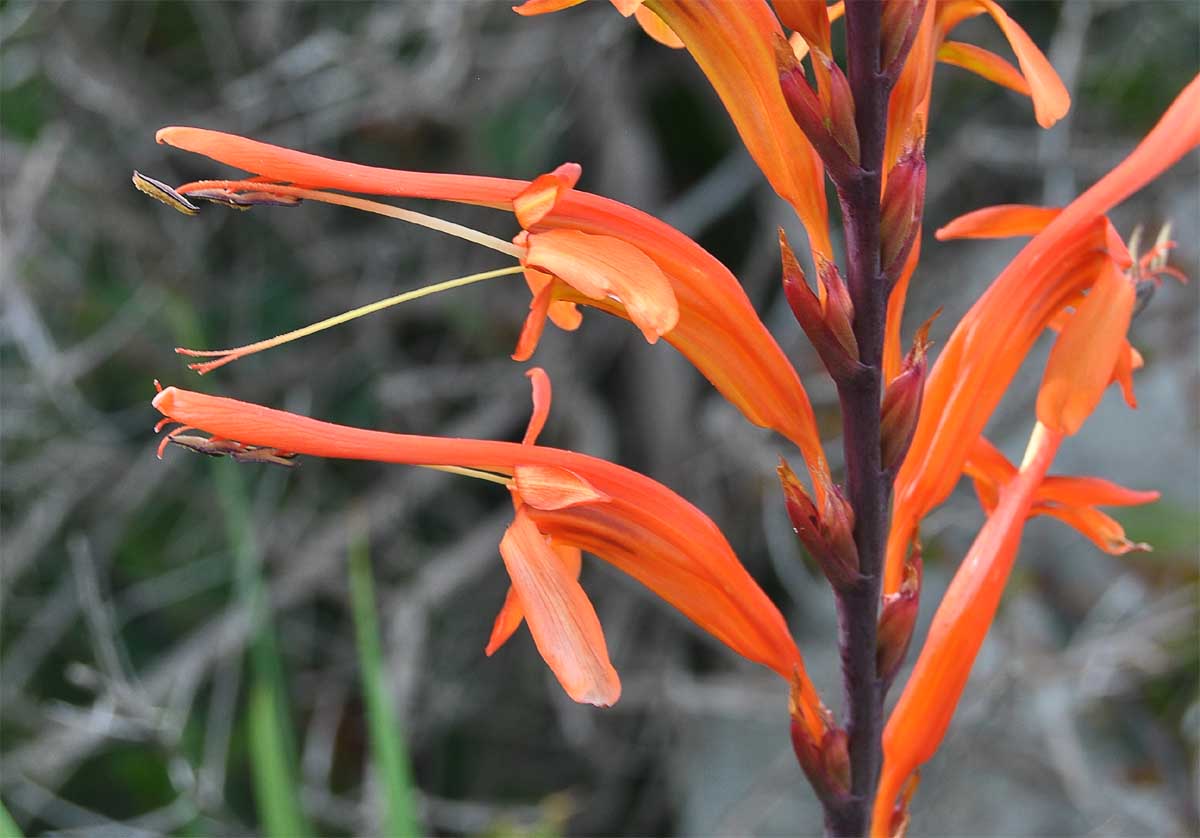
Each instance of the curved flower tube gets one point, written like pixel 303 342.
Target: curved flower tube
pixel 1074 250
pixel 908 108
pixel 576 501
pixel 717 328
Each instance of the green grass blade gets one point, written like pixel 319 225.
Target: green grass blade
pixel 8 827
pixel 387 741
pixel 272 749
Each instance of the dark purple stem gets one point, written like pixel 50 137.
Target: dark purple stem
pixel 867 487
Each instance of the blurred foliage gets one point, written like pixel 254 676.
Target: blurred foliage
pixel 135 698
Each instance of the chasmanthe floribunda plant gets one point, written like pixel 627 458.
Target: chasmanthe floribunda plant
pixel 913 423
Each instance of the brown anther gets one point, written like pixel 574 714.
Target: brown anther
pixel 244 200
pixel 159 191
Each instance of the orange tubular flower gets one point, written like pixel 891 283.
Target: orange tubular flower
pixel 717 328
pixel 921 716
pixel 733 44
pixel 1076 250
pixel 1082 363
pixel 573 501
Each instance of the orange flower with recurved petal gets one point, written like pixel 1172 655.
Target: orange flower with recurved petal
pixel 717 328
pixel 908 107
pixel 572 501
pixel 1091 351
pixel 1077 249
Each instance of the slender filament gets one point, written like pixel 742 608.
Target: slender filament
pixel 225 356
pixel 473 472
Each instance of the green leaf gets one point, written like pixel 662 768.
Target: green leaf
pixel 387 741
pixel 8 827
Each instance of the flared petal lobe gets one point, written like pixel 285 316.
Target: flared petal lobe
pixel 561 618
pixel 1050 98
pixel 1084 357
pixel 603 267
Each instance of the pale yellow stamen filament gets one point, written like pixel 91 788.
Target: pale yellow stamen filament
pixel 225 356
pixel 411 216
pixel 471 472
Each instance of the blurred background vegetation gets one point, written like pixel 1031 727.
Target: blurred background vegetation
pixel 199 648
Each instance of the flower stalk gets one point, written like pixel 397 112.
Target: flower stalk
pixel 867 484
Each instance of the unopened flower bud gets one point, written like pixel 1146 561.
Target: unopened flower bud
pixel 821 748
pixel 835 759
pixel 838 308
pixel 837 517
pixel 828 533
pixel 837 103
pixel 808 111
pixel 897 619
pixel 902 401
pixel 841 361
pixel 898 26
pixel 900 212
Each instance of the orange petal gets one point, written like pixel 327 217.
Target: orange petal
pixel 1083 359
pixel 563 313
pixel 511 616
pixel 656 28
pixel 542 393
pixel 1091 491
pixel 561 618
pixel 538 199
pixel 999 222
pixel 987 462
pixel 810 18
pixel 535 324
pixel 543 7
pixel 601 267
pixel 627 7
pixel 983 63
pixel 285 165
pixel 1102 530
pixel 507 622
pixel 553 487
pixel 1050 98
pixel 1127 361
